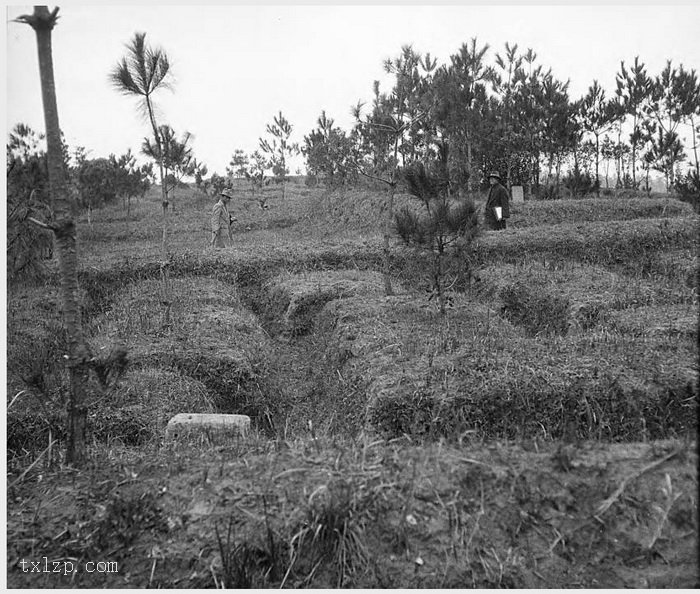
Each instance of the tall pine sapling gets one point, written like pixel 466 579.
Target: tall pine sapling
pixel 256 171
pixel 141 73
pixel 383 135
pixel 279 148
pixel 27 198
pixel 445 228
pixel 79 360
pixel 238 166
pixel 329 153
pixel 175 155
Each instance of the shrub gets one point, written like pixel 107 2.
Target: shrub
pixel 579 409
pixel 245 564
pixel 28 431
pixel 126 518
pixel 96 182
pixel 602 243
pixel 415 415
pixel 689 189
pixel 580 183
pixel 445 228
pixel 549 192
pixel 589 315
pixel 536 312
pixel 27 197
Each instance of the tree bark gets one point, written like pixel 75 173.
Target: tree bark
pixel 695 146
pixel 163 189
pixel 386 272
pixel 634 154
pixel 597 166
pixel 471 182
pixel 65 232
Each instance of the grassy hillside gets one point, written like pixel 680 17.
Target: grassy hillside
pixel 541 434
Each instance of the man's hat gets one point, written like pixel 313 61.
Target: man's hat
pixel 227 193
pixel 495 174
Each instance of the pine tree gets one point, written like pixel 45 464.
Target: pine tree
pixel 443 229
pixel 633 89
pixel 141 73
pixel 63 227
pixel 596 120
pixel 279 148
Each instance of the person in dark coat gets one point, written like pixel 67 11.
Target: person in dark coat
pixel 497 204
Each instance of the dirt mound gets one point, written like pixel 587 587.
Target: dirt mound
pixel 628 244
pixel 197 327
pixel 298 298
pixel 597 295
pixel 475 372
pixel 143 402
pixel 538 212
pixel 364 211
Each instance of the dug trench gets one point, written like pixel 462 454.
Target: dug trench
pixel 312 346
pixel 441 506
pixel 199 337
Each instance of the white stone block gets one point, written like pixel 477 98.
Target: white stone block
pixel 216 427
pixel 517 194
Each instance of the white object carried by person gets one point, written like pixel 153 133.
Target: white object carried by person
pixel 499 212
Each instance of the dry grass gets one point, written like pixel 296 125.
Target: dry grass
pixel 428 377
pixel 586 284
pixel 369 514
pixel 556 212
pixel 180 315
pixel 299 297
pixel 628 245
pixel 139 409
pixel 320 502
pixel 198 327
pixel 363 211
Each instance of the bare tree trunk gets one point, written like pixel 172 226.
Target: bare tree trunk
pixel 597 166
pixel 508 169
pixel 438 279
pixel 634 154
pixel 618 161
pixel 64 229
pixel 163 188
pixel 388 222
pixel 558 170
pixel 470 166
pixel 695 146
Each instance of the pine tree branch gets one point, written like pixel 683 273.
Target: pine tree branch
pixel 361 171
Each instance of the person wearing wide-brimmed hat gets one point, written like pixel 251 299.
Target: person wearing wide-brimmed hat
pixel 221 220
pixel 497 204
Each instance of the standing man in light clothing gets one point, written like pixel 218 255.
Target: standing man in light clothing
pixel 221 220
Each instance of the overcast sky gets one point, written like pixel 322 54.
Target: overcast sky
pixel 236 66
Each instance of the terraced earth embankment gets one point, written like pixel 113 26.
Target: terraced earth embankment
pixel 541 434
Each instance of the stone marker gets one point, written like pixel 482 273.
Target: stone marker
pixel 517 194
pixel 219 427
